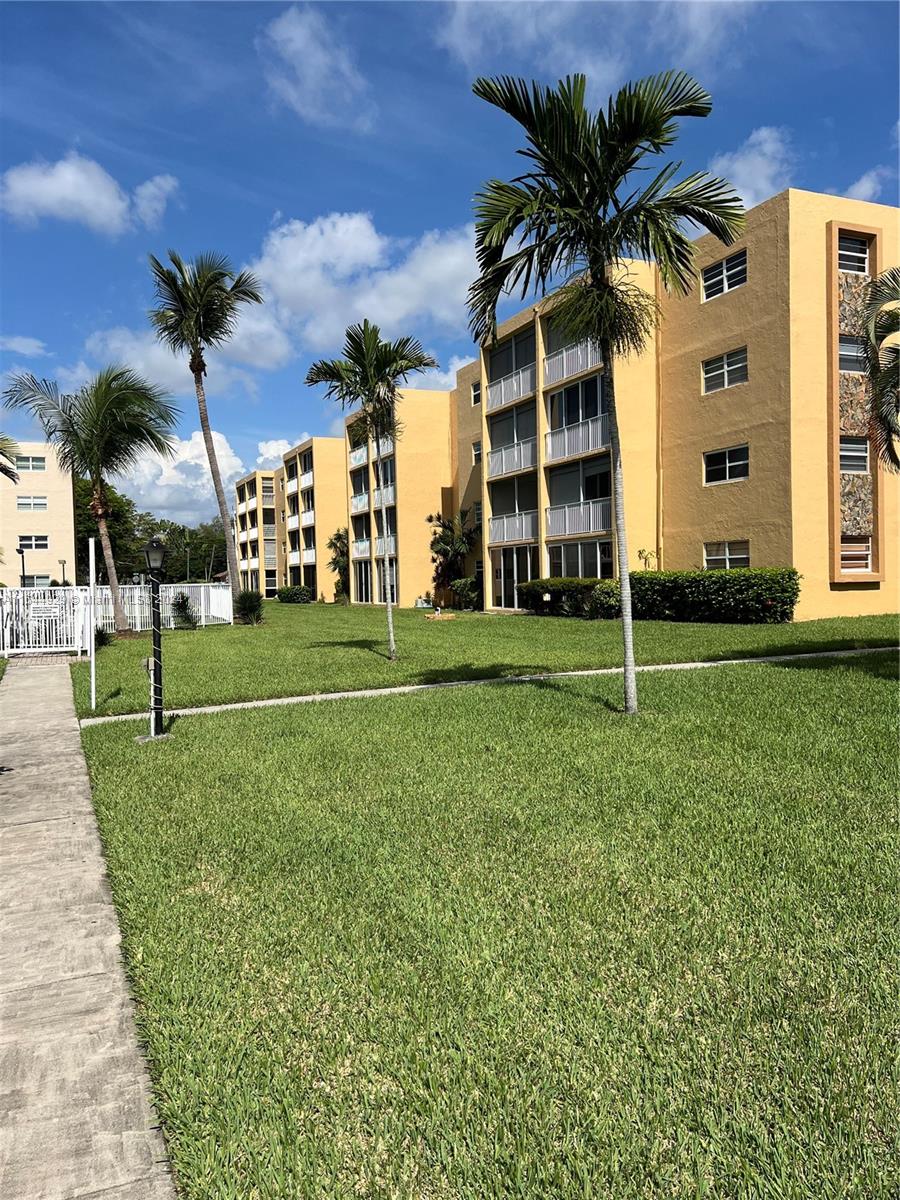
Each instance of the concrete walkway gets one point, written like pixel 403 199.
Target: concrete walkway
pixel 75 1114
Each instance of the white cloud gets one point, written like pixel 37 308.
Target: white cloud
pixel 74 377
pixel 441 379
pixel 28 347
pixel 180 488
pixel 272 451
pixel 761 167
pixel 78 189
pixel 141 351
pixel 308 68
pixel 869 186
pixel 259 340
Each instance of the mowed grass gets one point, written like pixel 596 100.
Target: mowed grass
pixel 322 648
pixel 509 943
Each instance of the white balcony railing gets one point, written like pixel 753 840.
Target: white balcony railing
pixel 308 517
pixel 253 563
pixel 511 388
pixel 387 447
pixel 293 558
pixel 384 495
pixel 361 548
pixel 306 480
pixel 290 487
pixel 385 545
pixel 588 516
pixel 253 532
pixel 309 557
pixel 242 535
pixel 514 527
pixel 359 456
pixel 517 457
pixel 242 507
pixel 571 360
pixel 293 521
pixel 251 504
pixel 359 502
pixel 582 438
pixel 244 564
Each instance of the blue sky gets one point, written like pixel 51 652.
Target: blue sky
pixel 335 149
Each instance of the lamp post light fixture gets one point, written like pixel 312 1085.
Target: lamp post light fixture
pixel 62 563
pixel 155 555
pixel 21 554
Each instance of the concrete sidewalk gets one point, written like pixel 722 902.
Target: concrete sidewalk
pixel 75 1114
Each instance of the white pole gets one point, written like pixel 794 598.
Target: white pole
pixel 92 576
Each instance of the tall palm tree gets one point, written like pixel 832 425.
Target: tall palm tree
pixel 577 215
pixel 9 448
pixel 198 305
pixel 100 431
pixel 881 315
pixel 369 377
pixel 452 540
pixel 339 545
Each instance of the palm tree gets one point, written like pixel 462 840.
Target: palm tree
pixel 453 540
pixel 9 448
pixel 100 431
pixel 579 213
pixel 198 307
pixel 881 315
pixel 370 376
pixel 339 545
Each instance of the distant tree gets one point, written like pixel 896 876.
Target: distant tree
pixel 881 315
pixel 121 527
pixel 9 448
pixel 452 540
pixel 339 545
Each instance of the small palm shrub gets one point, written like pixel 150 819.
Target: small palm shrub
pixel 297 593
pixel 102 637
pixel 248 608
pixel 183 612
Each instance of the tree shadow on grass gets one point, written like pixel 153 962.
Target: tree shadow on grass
pixel 460 672
pixel 879 664
pixel 372 645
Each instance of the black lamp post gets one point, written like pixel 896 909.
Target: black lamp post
pixel 155 554
pixel 21 554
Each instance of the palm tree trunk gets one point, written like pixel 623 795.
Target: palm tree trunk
pixel 224 513
pixel 121 620
pixel 385 570
pixel 630 677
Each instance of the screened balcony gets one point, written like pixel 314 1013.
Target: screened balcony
pixel 571 360
pixel 514 527
pixel 519 456
pixel 585 516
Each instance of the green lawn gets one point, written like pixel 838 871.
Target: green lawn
pixel 318 648
pixel 508 943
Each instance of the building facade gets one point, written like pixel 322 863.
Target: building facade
pixel 743 428
pixel 313 507
pixel 37 516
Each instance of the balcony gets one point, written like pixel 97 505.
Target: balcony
pixel 290 486
pixel 253 563
pixel 253 532
pixel 251 504
pixel 293 521
pixel 514 527
pixel 361 548
pixel 385 545
pixel 293 558
pixel 242 535
pixel 306 480
pixel 359 502
pixel 505 460
pixel 588 516
pixel 309 557
pixel 511 388
pixel 571 360
pixel 387 446
pixel 358 456
pixel 583 438
pixel 242 507
pixel 384 495
pixel 244 564
pixel 308 517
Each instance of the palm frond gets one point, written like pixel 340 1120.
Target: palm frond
pixel 881 329
pixel 198 303
pixel 9 448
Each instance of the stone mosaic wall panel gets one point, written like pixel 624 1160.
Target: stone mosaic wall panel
pixel 857 512
pixel 850 289
pixel 853 404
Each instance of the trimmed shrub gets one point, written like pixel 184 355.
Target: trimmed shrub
pixel 298 593
pixel 183 612
pixel 248 608
pixel 466 592
pixel 605 601
pixel 563 597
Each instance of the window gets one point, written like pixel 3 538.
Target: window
pixel 476 452
pixel 30 462
pixel 581 560
pixel 852 353
pixel 855 455
pixel 725 371
pixel 856 554
pixel 725 556
pixel 725 275
pixel 33 541
pixel 35 581
pixel 853 254
pixel 579 402
pixel 476 392
pixel 477 512
pixel 722 466
pixel 512 355
pixel 31 503
pixel 306 461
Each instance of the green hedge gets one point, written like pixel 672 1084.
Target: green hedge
pixel 297 593
pixel 747 596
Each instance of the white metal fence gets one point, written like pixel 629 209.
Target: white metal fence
pixel 41 620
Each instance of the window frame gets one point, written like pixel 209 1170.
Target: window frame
pixel 476 392
pixel 858 357
pixel 846 555
pixel 729 552
pixel 21 506
pixel 851 255
pixel 728 368
pixel 729 478
pixel 477 452
pixel 854 448
pixel 732 264
pixel 31 538
pixel 31 459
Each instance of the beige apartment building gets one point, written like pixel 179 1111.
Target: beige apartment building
pixel 743 428
pixel 37 517
pixel 313 506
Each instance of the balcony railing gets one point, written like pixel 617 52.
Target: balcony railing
pixel 293 521
pixel 359 502
pixel 517 457
pixel 361 548
pixel 588 516
pixel 510 388
pixel 254 564
pixel 582 438
pixel 308 517
pixel 571 360
pixel 385 545
pixel 251 504
pixel 242 507
pixel 309 557
pixel 290 487
pixel 293 558
pixel 384 495
pixel 359 456
pixel 244 564
pixel 306 480
pixel 514 527
pixel 387 447
pixel 242 535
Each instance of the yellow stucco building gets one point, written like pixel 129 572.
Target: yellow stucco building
pixel 37 516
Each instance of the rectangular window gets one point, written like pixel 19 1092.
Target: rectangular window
pixel 581 560
pixel 725 371
pixel 722 466
pixel 31 462
pixel 853 254
pixel 725 556
pixel 852 353
pixel 31 503
pixel 477 512
pixel 476 392
pixel 36 581
pixel 725 275
pixel 33 541
pixel 856 554
pixel 855 455
pixel 476 452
